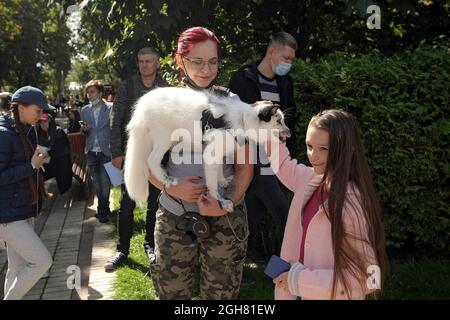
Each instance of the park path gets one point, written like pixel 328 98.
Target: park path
pixel 78 243
pixel 75 239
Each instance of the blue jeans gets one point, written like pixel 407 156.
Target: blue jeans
pixel 100 179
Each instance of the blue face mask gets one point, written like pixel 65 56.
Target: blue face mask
pixel 282 69
pixel 94 102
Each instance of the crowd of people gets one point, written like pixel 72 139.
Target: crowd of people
pixel 330 233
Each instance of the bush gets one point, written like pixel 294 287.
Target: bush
pixel 402 103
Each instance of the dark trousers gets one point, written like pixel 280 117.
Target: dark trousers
pixel 100 180
pixel 265 196
pixel 126 219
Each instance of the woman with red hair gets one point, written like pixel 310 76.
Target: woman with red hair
pixel 191 227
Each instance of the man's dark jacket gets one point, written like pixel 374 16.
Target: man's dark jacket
pixel 60 166
pixel 129 91
pixel 245 84
pixel 15 170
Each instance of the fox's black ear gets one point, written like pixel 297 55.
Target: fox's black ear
pixel 274 108
pixel 267 112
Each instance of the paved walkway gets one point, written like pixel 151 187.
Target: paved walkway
pixel 80 246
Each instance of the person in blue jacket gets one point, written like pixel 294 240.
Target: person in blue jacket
pixel 21 191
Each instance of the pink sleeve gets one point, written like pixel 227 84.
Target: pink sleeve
pixel 288 171
pixel 317 284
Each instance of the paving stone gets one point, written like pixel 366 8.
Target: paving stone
pixel 62 232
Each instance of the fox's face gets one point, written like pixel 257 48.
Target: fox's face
pixel 271 118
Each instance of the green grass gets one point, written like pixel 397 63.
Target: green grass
pixel 132 280
pixel 427 278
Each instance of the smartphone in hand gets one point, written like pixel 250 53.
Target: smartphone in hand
pixel 84 126
pixel 276 266
pixel 43 148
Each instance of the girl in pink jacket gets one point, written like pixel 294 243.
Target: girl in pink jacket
pixel 334 236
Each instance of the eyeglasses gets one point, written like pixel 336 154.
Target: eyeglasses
pixel 198 64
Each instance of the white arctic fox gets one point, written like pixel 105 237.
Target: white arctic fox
pixel 162 111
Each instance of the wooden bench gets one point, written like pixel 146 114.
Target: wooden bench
pixel 80 168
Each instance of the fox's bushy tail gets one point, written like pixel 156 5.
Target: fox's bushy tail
pixel 139 147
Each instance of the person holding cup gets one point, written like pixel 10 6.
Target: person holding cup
pixel 21 192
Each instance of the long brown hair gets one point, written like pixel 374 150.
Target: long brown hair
pixel 28 151
pixel 347 166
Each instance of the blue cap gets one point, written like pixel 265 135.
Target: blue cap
pixel 31 95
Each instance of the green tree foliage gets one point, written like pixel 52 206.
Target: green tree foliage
pixel 57 51
pixel 83 71
pixel 394 79
pixel 23 52
pixel 8 29
pixel 403 107
pixel 115 30
pixel 34 47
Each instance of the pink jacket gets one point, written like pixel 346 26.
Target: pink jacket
pixel 314 279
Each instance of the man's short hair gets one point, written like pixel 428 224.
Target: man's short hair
pixel 284 39
pixel 95 83
pixel 148 50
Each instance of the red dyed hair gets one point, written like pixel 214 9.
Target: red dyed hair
pixel 190 37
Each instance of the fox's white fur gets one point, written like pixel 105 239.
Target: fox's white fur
pixel 160 112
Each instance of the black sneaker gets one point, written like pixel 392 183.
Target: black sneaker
pixel 102 218
pixel 112 264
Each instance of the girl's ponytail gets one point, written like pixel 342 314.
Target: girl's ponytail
pixel 28 155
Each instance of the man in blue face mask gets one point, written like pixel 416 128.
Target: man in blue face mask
pixel 268 79
pixel 95 117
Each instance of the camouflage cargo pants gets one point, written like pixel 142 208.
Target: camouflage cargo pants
pixel 220 256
